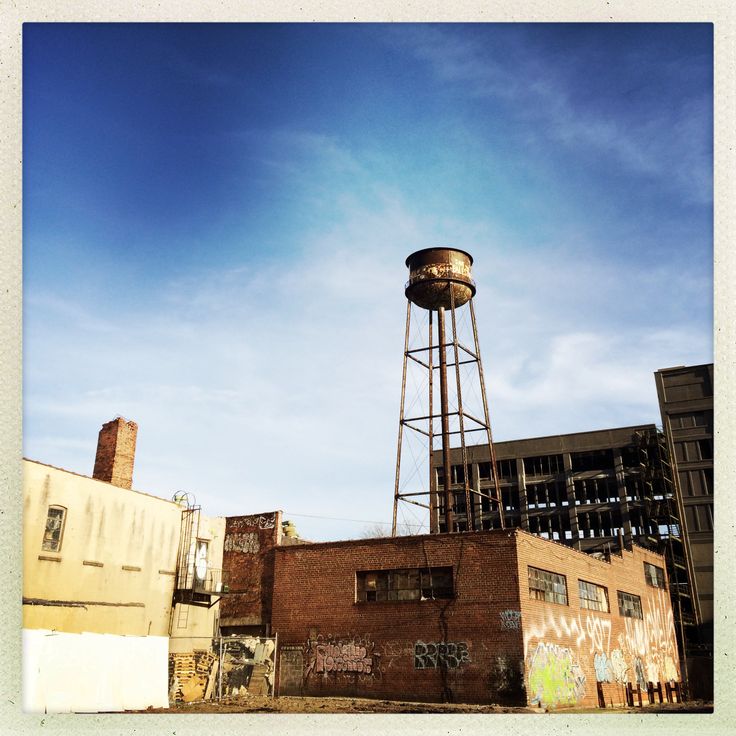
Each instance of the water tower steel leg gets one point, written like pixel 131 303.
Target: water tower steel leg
pixel 444 411
pixel 486 415
pixel 401 416
pixel 433 505
pixel 469 525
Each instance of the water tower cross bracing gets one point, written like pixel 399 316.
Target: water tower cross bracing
pixel 440 282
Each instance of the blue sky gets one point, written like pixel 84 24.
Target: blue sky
pixel 216 219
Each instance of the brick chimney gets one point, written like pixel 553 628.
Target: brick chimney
pixel 116 452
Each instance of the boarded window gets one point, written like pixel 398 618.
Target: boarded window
pixel 547 586
pixel 409 584
pixel 654 575
pixel 629 605
pixel 54 531
pixel 592 596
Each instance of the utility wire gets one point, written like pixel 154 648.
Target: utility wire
pixel 337 518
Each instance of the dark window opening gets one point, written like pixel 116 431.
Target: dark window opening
pixel 409 584
pixel 592 460
pixel 54 530
pixel 543 465
pixel 654 575
pixel 629 605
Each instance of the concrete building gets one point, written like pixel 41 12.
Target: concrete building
pixel 118 585
pixel 486 616
pixel 686 403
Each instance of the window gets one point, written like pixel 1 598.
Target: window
pixel 654 575
pixel 54 529
pixel 410 584
pixel 629 605
pixel 547 586
pixel 543 465
pixel 593 460
pixel 506 468
pixel 592 596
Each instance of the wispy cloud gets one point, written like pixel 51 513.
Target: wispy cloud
pixel 279 386
pixel 672 144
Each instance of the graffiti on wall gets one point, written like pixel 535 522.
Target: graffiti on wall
pixel 644 652
pixel 260 521
pixel 555 677
pixel 336 656
pixel 449 654
pixel 242 542
pixel 510 619
pixel 619 668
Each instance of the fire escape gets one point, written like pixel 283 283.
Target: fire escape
pixel 666 536
pixel 197 584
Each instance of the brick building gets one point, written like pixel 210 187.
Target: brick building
pixel 485 616
pixel 247 564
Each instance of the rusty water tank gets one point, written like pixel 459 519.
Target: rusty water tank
pixel 433 272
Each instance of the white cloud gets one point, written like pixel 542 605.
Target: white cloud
pixel 279 386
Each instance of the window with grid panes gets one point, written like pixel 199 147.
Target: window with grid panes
pixel 654 575
pixel 592 596
pixel 54 529
pixel 547 586
pixel 408 584
pixel 629 605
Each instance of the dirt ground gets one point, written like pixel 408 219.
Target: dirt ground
pixel 292 704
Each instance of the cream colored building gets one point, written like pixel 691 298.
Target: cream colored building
pixel 114 580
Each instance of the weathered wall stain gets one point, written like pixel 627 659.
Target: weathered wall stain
pixel 450 654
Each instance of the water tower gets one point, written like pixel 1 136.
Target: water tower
pixel 440 482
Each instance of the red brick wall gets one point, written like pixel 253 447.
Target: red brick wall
pixel 116 453
pixel 247 563
pixel 394 643
pixel 568 649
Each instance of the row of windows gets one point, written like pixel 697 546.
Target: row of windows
pixel 552 587
pixel 539 465
pixel 408 584
pixel 431 583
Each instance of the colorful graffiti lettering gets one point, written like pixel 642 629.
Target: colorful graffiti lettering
pixel 326 657
pixel 450 654
pixel 555 677
pixel 510 619
pixel 603 669
pixel 342 658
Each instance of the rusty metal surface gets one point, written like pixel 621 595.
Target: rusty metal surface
pixel 438 277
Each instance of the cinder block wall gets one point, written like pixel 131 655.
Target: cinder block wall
pixel 397 643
